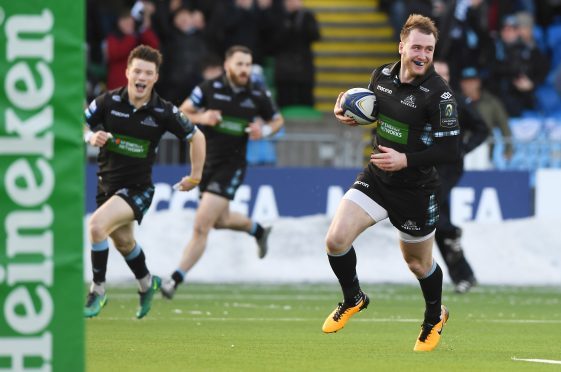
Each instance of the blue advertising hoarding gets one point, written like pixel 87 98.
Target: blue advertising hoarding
pixel 294 192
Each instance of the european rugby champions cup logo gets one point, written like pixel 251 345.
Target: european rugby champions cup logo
pixel 448 114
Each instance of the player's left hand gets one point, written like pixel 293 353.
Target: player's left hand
pixel 388 159
pixel 258 130
pixel 186 184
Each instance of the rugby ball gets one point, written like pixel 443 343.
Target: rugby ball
pixel 361 105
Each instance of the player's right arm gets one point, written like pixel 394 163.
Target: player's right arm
pixel 194 108
pixel 94 131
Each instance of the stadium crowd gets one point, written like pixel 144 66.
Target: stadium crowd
pixel 505 56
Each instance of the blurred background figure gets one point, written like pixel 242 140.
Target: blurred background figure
pixel 296 30
pixel 132 28
pixel 518 65
pixel 212 67
pixel 474 131
pixel 464 35
pixel 183 50
pixel 489 107
pixel 242 22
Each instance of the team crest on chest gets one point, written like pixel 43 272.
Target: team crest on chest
pixel 409 101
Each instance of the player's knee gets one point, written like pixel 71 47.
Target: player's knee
pixel 221 223
pixel 336 243
pixel 201 229
pixel 123 244
pixel 97 231
pixel 417 267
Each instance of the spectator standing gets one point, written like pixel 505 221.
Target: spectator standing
pixel 464 36
pixel 489 107
pixel 132 29
pixel 183 52
pixel 294 61
pixel 242 22
pixel 518 68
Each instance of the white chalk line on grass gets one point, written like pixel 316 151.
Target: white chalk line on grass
pixel 546 361
pixel 185 316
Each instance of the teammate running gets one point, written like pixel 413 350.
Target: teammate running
pixel 228 109
pixel 417 128
pixel 127 125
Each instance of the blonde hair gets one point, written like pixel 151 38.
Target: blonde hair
pixel 418 22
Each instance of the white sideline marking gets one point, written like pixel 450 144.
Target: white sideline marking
pixel 546 361
pixel 289 319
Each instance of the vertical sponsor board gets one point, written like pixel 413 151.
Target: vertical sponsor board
pixel 41 185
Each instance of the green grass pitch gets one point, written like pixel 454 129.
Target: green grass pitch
pixel 245 327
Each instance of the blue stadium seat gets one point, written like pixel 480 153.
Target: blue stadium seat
pixel 553 130
pixel 554 43
pixel 527 137
pixel 548 99
pixel 539 37
pixel 499 162
pixel 263 152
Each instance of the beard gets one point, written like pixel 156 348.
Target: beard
pixel 410 66
pixel 239 80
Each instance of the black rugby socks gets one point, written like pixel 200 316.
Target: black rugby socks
pixel 431 285
pixel 344 267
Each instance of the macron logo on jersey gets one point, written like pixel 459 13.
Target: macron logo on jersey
pixel 222 97
pixel 119 114
pixel 385 90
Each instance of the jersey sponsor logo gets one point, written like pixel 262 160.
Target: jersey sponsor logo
pixel 410 226
pixel 149 121
pixel 232 126
pixel 116 98
pixel 222 97
pixel 247 103
pixel 446 95
pixel 129 146
pixel 385 90
pixel 392 130
pixel 256 93
pixel 361 183
pixel 161 109
pixel 217 85
pixel 119 114
pixel 409 101
pixel 448 115
pixel 426 90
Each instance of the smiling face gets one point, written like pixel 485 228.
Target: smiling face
pixel 238 68
pixel 141 76
pixel 417 51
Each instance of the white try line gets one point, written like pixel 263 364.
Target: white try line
pixel 546 361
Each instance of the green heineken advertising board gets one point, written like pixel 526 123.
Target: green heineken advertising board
pixel 41 185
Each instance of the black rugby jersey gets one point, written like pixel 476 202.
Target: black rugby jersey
pixel 228 139
pixel 419 119
pixel 127 158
